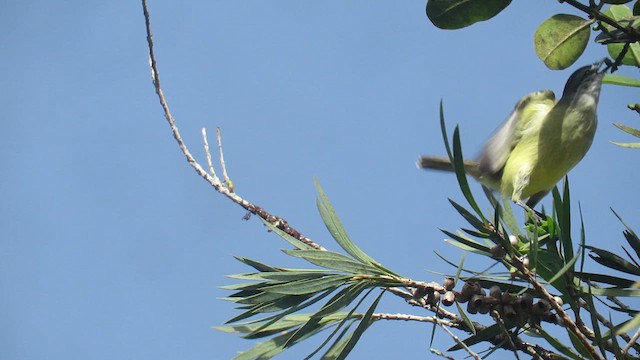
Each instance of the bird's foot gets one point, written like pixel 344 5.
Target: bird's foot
pixel 536 215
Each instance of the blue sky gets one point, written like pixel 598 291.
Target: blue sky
pixel 113 248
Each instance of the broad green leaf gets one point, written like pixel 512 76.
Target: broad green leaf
pixel 560 40
pixel 622 14
pixel 620 80
pixel 333 260
pixel 456 14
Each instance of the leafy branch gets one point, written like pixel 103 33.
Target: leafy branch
pixel 339 296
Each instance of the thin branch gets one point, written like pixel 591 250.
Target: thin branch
pixel 222 164
pixel 278 222
pixel 631 342
pixel 567 321
pixel 461 343
pixel 595 13
pixel 212 171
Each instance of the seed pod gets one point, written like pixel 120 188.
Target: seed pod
pixel 448 298
pixel 498 252
pixel 541 307
pixel 433 298
pixel 449 283
pixel 495 292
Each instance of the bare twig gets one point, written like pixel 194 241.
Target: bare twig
pixel 225 176
pixel 460 342
pixel 631 342
pixel 212 171
pixel 278 222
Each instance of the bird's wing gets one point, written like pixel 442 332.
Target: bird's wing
pixel 528 112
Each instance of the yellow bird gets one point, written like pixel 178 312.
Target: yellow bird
pixel 539 143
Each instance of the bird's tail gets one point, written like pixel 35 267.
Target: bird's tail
pixel 444 164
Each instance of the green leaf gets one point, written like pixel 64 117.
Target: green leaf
pixel 458 164
pixel 456 14
pixel 341 341
pixel 443 130
pixel 616 292
pixel 595 325
pixel 307 286
pixel 628 129
pixel 560 40
pixel 617 1
pixel 290 239
pixel 565 221
pixel 471 219
pixel 627 145
pixel 620 80
pixel 256 265
pixel 484 335
pixel 566 268
pixel 364 324
pixel 631 325
pixel 613 261
pixel 333 260
pixel 338 232
pixel 566 351
pixel 630 235
pixel 466 241
pixel 623 15
pixel 606 279
pixel 465 319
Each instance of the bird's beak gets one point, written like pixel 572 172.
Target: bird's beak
pixel 596 66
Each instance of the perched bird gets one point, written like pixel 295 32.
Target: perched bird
pixel 539 142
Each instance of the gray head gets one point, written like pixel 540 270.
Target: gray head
pixel 587 79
